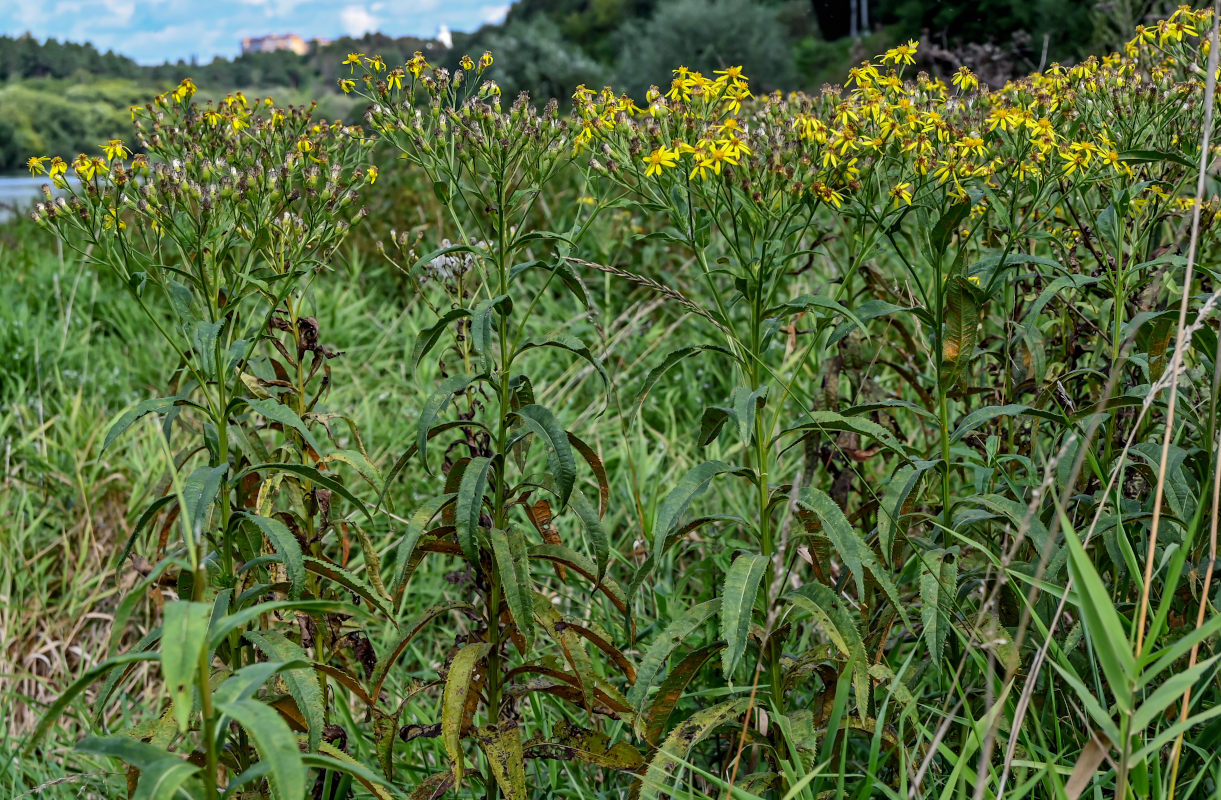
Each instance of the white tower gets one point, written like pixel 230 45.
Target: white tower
pixel 444 37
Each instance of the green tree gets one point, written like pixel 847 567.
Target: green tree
pixel 705 35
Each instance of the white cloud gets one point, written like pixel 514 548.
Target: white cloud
pixel 493 15
pixel 357 20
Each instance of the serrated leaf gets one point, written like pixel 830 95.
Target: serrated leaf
pixel 674 634
pixel 738 606
pixel 434 406
pixel 302 683
pixel 453 702
pixel 598 540
pixel 503 747
pixel 961 330
pixel 417 524
pixel 560 460
pixel 155 405
pixel 162 774
pixel 470 505
pixel 672 358
pixel 678 745
pixel 183 639
pixel 428 337
pixel 276 411
pixel 514 569
pixel 857 556
pixel 287 548
pixel 276 745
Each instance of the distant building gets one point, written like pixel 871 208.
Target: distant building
pixel 274 42
pixel 444 38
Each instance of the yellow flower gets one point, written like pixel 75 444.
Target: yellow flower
pixel 659 159
pixel 1074 160
pixel 971 145
pixel 902 54
pixel 35 164
pixel 485 60
pixel 372 174
pixel 184 91
pixel 902 193
pixel 417 64
pixel 57 171
pixel 114 149
pixel 965 79
pixel 347 85
pixel 304 145
pixel 354 60
pixel 395 79
pixel 376 63
pixel 974 279
pixel 467 63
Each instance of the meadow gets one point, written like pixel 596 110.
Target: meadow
pixel 697 445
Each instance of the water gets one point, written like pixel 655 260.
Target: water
pixel 19 193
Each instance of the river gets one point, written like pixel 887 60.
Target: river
pixel 19 193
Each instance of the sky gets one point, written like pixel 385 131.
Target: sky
pixel 153 31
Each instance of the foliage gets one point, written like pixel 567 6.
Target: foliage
pixel 782 446
pixel 704 35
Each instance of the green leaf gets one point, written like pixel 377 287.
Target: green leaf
pixel 982 415
pixel 276 411
pixel 87 679
pixel 849 545
pixel 961 330
pixel 574 346
pixel 310 474
pixel 183 639
pixel 276 745
pixel 427 338
pixel 470 505
pixel 672 358
pixel 746 405
pixel 453 702
pixel 199 492
pixel 1103 623
pixel 560 459
pixel 938 585
pixel 332 758
pixel 433 408
pixel 302 683
pixel 678 745
pixel 675 504
pixel 598 540
pixel 1153 156
pixel 941 234
pixel 162 774
pixel 823 421
pixel 674 634
pixel 287 548
pixel 348 580
pixel 221 628
pixel 417 524
pixel 514 569
pixel 738 606
pixel 894 498
pixel 827 608
pixel 155 405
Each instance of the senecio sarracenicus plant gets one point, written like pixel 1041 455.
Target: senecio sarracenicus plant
pixel 218 226
pixel 503 506
pixel 928 320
